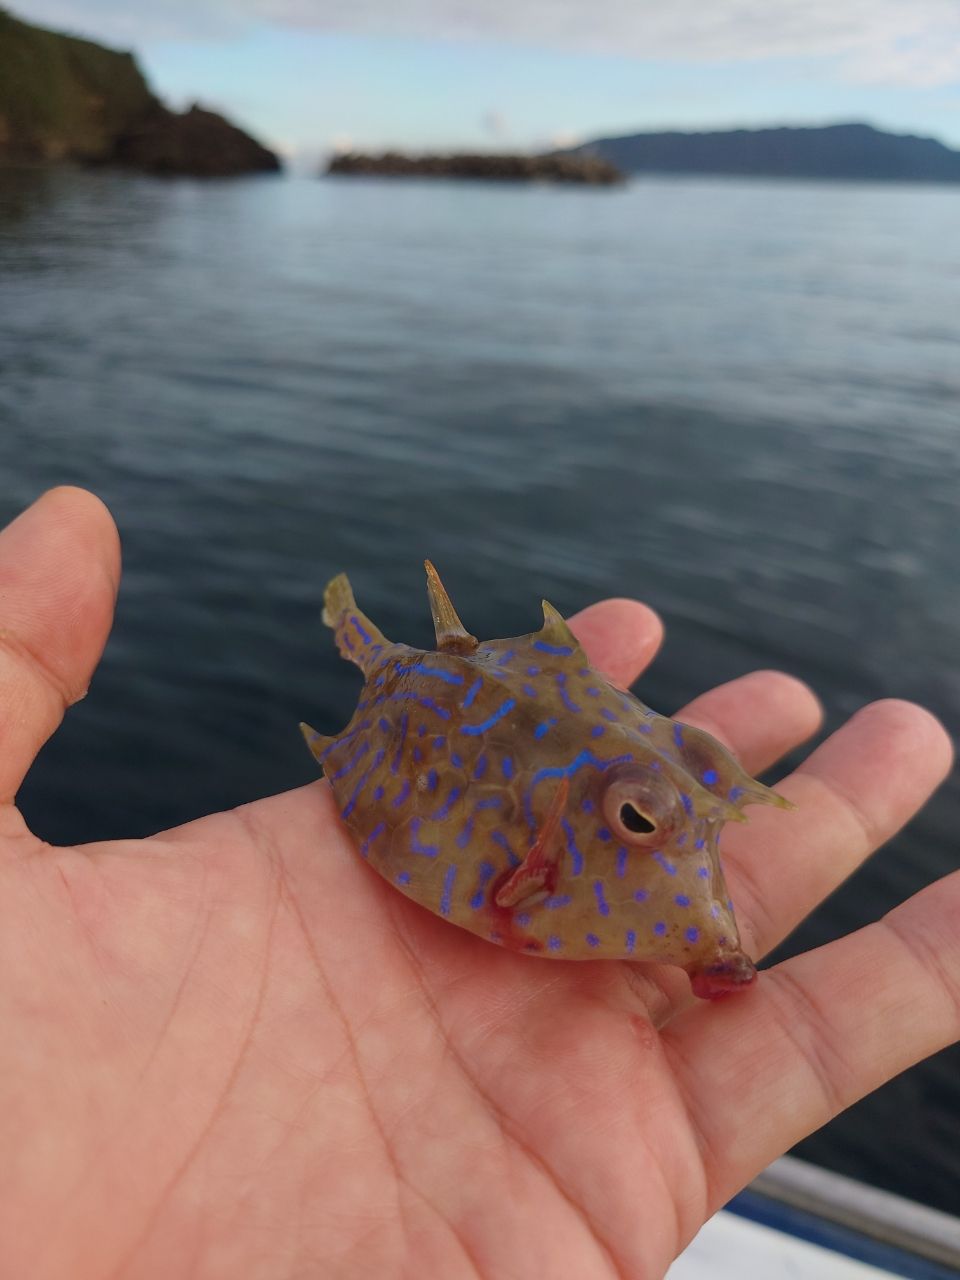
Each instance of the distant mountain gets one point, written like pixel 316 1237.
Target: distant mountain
pixel 62 98
pixel 856 151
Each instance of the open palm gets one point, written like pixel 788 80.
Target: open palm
pixel 232 1050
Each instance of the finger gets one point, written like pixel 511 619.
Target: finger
pixel 759 717
pixel 620 638
pixel 818 1032
pixel 852 794
pixel 59 570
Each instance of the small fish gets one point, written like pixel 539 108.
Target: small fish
pixel 509 788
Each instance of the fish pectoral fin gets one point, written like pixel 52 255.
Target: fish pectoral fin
pixel 452 635
pixel 315 741
pixel 537 873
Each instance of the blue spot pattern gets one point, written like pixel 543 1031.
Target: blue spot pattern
pixel 710 777
pixel 402 794
pixel 377 830
pixel 593 940
pixel 544 727
pixel 631 939
pixel 555 943
pixel 621 861
pixel 351 803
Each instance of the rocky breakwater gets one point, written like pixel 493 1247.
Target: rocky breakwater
pixel 586 170
pixel 63 98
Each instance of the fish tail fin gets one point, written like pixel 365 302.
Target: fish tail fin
pixel 357 638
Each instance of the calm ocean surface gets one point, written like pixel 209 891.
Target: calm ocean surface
pixel 737 400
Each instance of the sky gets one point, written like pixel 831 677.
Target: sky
pixel 311 76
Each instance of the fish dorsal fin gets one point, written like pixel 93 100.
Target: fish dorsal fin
pixel 452 635
pixel 555 636
pixel 357 638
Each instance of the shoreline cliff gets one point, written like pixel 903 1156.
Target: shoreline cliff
pixel 63 98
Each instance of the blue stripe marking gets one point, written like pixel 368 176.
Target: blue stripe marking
pixel 486 875
pixel 499 838
pixel 678 734
pixel 403 793
pixel 385 724
pixel 543 728
pixel 417 755
pixel 561 900
pixel 456 760
pixel 575 854
pixel 466 835
pixel 378 794
pixel 597 731
pixel 395 762
pixel 562 649
pixel 473 691
pixel 687 804
pixel 438 742
pixel 668 867
pixel 565 697
pixel 489 723
pixel 631 939
pixel 381 826
pixel 428 850
pixel 488 802
pixel 566 771
pixel 409 695
pixel 533 671
pixel 351 803
pixel 432 779
pixel 602 905
pixel 529 690
pixel 437 672
pixel 480 768
pixel 447 805
pixel 506 764
pixel 352 763
pixel 360 631
pixel 346 640
pixel 448 880
pixel 608 714
pixel 422 731
pixel 343 739
pixel 621 861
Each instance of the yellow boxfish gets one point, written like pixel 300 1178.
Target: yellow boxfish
pixel 511 789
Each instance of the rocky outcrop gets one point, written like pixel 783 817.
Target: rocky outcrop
pixel 588 170
pixel 198 142
pixel 62 98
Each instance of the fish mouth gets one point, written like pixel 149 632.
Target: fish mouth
pixel 735 972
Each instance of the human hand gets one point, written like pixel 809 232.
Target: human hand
pixel 231 1050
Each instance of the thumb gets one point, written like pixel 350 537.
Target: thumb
pixel 59 572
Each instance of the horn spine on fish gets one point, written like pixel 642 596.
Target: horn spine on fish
pixel 452 635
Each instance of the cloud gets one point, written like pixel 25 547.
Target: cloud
pixel 892 42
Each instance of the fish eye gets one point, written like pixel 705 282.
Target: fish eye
pixel 639 805
pixel 635 821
